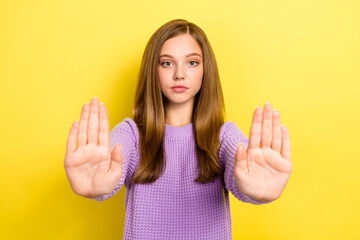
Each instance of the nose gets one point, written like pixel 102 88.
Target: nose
pixel 179 74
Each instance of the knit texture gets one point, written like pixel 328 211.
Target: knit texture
pixel 175 206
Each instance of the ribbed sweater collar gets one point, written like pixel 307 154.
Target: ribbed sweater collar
pixel 182 131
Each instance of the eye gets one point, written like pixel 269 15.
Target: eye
pixel 194 62
pixel 162 64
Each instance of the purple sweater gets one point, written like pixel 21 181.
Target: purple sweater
pixel 175 206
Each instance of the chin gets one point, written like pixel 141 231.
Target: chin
pixel 179 101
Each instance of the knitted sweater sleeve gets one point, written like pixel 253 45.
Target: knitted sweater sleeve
pixel 230 137
pixel 123 133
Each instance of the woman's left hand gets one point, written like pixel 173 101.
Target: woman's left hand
pixel 263 170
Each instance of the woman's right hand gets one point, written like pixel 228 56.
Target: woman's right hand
pixel 91 167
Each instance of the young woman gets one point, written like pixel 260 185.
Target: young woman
pixel 178 158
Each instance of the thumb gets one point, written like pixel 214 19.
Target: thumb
pixel 116 158
pixel 241 157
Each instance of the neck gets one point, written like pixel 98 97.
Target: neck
pixel 179 115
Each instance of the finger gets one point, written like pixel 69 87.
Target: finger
pixel 93 125
pixel 71 142
pixel 82 134
pixel 104 138
pixel 276 140
pixel 116 158
pixel 241 157
pixel 266 130
pixel 285 148
pixel 255 130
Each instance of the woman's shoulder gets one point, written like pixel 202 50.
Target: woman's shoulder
pixel 128 127
pixel 229 128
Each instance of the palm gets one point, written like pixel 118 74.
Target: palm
pixel 263 170
pixel 88 168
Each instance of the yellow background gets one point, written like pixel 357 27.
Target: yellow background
pixel 302 56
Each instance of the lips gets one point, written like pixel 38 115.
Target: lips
pixel 179 88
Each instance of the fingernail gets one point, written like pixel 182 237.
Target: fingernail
pixel 102 103
pixel 267 103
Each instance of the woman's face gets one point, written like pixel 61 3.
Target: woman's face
pixel 180 63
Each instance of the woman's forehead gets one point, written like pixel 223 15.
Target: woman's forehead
pixel 181 45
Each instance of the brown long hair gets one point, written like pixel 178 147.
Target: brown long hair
pixel 149 116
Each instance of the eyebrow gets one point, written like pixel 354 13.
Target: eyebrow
pixel 191 54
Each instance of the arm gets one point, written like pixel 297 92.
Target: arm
pixel 122 133
pixel 230 136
